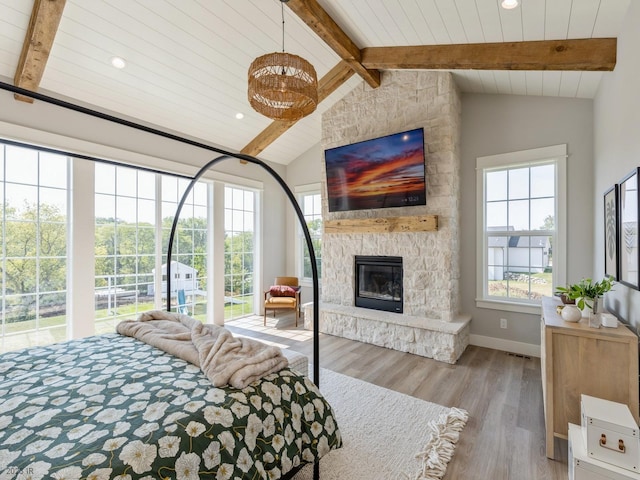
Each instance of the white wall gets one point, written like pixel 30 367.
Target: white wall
pixel 617 147
pixel 53 126
pixel 306 168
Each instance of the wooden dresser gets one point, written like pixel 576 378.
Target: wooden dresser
pixel 575 359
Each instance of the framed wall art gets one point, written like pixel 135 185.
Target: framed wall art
pixel 628 251
pixel 611 232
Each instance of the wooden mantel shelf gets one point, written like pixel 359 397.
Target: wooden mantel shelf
pixel 414 223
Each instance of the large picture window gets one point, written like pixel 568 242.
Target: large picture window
pixel 521 232
pixel 126 244
pixel 33 235
pixel 125 240
pixel 123 215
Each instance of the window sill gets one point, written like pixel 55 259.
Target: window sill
pixel 509 306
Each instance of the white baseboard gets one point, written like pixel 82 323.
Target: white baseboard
pixel 520 348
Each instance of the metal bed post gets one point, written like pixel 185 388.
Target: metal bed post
pixel 303 224
pixel 307 236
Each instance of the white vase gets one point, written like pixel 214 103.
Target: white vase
pixel 571 313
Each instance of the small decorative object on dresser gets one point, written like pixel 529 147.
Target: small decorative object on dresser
pixel 588 297
pixel 609 320
pixel 571 313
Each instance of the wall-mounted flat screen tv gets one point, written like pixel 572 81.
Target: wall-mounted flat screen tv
pixel 378 173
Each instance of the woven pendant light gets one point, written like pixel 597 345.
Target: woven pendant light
pixel 283 86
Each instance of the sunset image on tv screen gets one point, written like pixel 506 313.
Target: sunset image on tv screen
pixel 378 173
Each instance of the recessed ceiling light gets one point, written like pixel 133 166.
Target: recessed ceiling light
pixel 118 62
pixel 239 116
pixel 509 4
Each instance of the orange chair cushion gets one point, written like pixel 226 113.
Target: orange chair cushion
pixel 281 302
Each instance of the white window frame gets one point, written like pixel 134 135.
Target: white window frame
pixel 37 255
pixel 300 242
pixel 257 241
pixel 556 154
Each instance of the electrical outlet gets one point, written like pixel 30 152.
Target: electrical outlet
pixel 503 323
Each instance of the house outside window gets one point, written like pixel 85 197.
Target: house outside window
pixel 521 232
pixel 125 243
pixel 311 206
pixel 134 211
pixel 191 243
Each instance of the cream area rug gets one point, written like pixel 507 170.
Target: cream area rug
pixel 387 435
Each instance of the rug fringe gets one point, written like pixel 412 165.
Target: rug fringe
pixel 438 451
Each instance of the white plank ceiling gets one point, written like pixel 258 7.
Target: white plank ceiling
pixel 187 60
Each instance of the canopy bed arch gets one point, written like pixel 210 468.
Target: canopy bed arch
pixel 15 367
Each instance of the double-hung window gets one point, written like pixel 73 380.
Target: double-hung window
pixel 311 206
pixel 521 239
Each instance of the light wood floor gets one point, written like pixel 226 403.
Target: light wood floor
pixel 504 438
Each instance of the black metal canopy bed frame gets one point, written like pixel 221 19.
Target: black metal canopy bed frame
pixel 223 155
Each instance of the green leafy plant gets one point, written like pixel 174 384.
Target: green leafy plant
pixel 586 290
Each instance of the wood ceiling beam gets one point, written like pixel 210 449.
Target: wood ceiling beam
pixel 43 25
pixel 591 54
pixel 311 13
pixel 326 86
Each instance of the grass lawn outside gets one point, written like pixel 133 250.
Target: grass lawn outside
pixel 541 284
pixel 47 330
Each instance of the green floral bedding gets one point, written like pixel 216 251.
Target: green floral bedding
pixel 112 407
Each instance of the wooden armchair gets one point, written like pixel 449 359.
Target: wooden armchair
pixel 283 295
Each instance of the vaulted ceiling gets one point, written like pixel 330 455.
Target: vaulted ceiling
pixel 187 60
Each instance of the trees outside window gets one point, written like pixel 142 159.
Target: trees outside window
pixel 127 239
pixel 133 213
pixel 239 248
pixel 33 234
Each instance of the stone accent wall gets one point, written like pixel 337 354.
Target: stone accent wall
pixel 405 100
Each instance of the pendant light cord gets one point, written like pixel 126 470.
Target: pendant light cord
pixel 282 12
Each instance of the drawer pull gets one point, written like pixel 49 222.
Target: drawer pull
pixel 621 448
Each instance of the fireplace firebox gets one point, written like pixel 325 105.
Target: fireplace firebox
pixel 378 283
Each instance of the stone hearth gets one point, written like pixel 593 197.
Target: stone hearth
pixel 431 324
pixel 443 341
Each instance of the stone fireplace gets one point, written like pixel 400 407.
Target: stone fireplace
pixel 429 322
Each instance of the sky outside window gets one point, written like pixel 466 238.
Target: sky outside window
pixel 520 199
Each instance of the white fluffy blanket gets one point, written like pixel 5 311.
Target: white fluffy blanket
pixel 223 358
